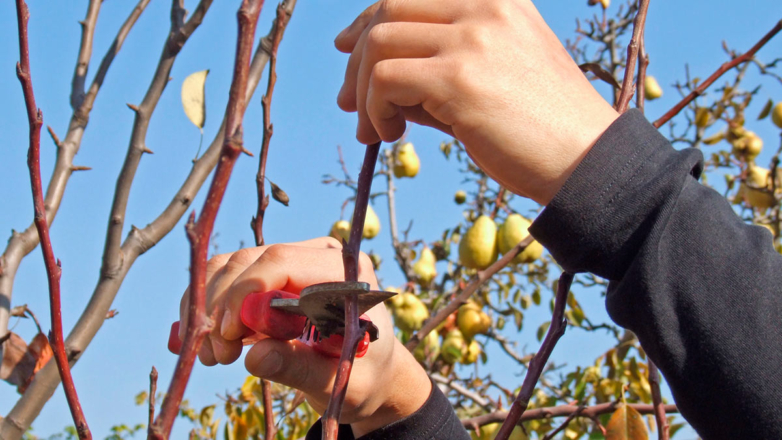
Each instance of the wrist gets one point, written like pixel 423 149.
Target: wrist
pixel 405 390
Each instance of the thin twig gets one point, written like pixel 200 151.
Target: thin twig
pixel 464 391
pixel 268 409
pixel 478 280
pixel 152 392
pixel 53 268
pixel 632 55
pixel 563 425
pixel 536 365
pixel 139 241
pixel 85 53
pixel 353 331
pixel 268 129
pixel 198 233
pixel 561 411
pixel 718 73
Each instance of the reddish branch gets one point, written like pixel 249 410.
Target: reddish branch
pixel 714 76
pixel 478 280
pixel 198 233
pixel 268 409
pixel 632 56
pixel 536 365
pixel 268 129
pixel 561 411
pixel 152 392
pixel 353 331
pixel 53 270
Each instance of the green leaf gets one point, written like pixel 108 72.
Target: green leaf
pixel 626 424
pixel 518 317
pixel 543 329
pixel 766 110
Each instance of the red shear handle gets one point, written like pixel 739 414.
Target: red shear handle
pixel 174 343
pixel 259 315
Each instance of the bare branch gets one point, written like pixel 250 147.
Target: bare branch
pixel 53 271
pixel 536 365
pixel 353 331
pixel 278 29
pixel 85 53
pixel 478 280
pixel 268 409
pixel 198 233
pixel 466 392
pixel 718 73
pixel 632 55
pixel 137 243
pixel 152 392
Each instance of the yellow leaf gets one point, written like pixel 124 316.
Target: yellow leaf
pixel 246 391
pixel 193 98
pixel 626 424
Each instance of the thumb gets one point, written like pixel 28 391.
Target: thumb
pixel 292 363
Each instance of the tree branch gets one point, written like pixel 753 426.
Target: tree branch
pixel 632 55
pixel 466 392
pixel 278 29
pixel 21 244
pixel 268 409
pixel 478 280
pixel 53 271
pixel 718 73
pixel 536 365
pixel 85 53
pixel 137 243
pixel 152 391
pixel 560 411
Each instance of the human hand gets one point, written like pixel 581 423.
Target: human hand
pixel 386 384
pixel 490 73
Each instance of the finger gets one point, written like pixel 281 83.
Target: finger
pixel 292 363
pixel 418 115
pixel 346 40
pixel 400 83
pixel 288 268
pixel 383 41
pixel 225 352
pixel 205 354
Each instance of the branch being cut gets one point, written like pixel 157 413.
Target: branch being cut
pixel 536 365
pixel 632 55
pixel 478 280
pixel 137 243
pixel 21 244
pixel 353 331
pixel 198 233
pixel 718 73
pixel 53 271
pixel 278 29
pixel 561 411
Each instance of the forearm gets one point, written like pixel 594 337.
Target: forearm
pixel 697 285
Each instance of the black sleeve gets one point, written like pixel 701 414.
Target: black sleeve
pixel 701 289
pixel 435 420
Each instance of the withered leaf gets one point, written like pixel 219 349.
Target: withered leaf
pixel 279 195
pixel 598 71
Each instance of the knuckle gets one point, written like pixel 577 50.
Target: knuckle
pixel 382 74
pixel 217 262
pixel 376 37
pixel 501 10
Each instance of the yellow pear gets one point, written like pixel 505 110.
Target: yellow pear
pixel 605 3
pixel 489 432
pixel 340 230
pixel 776 115
pixel 515 229
pixel 748 146
pixel 472 353
pixel 371 224
pixel 755 190
pixel 406 162
pixel 424 268
pixel 652 89
pixel 460 197
pixel 453 347
pixel 428 348
pixel 472 320
pixel 478 247
pixel 396 300
pixel 411 313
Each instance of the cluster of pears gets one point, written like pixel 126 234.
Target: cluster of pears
pixel 341 228
pixel 483 242
pixel 408 310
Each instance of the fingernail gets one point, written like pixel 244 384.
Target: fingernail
pixel 226 322
pixel 270 364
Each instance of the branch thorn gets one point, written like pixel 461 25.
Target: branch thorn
pixel 132 107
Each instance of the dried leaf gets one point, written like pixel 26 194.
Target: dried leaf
pixel 626 424
pixel 597 70
pixel 279 195
pixel 193 100
pixel 766 110
pixel 713 139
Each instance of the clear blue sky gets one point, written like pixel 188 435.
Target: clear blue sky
pixel 308 126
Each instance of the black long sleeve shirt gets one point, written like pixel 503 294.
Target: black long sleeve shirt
pixel 701 289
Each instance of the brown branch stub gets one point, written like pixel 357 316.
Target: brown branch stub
pixel 268 409
pixel 632 55
pixel 152 391
pixel 278 29
pixel 536 365
pixel 657 402
pixel 353 331
pixel 53 271
pixel 198 233
pixel 718 73
pixel 478 280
